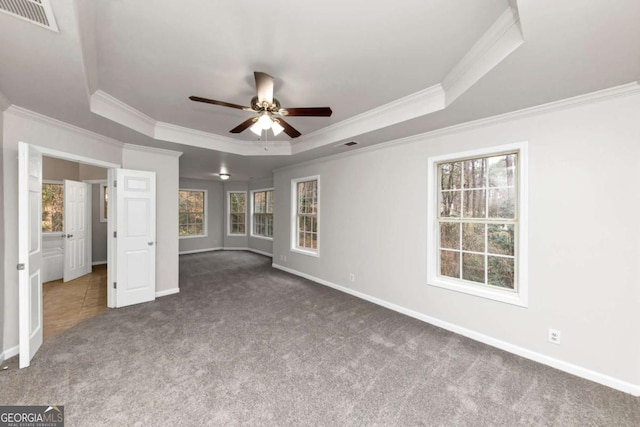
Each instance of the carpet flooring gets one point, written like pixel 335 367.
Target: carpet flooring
pixel 245 344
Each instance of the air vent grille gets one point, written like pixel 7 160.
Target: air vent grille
pixel 350 144
pixel 38 12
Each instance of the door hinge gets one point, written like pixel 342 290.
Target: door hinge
pixel 20 266
pixel 115 183
pixel 115 234
pixel 115 285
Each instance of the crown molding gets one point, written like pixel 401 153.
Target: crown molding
pixel 4 102
pixel 32 115
pixel 105 105
pixel 406 108
pixel 621 91
pixel 196 138
pixel 498 42
pixel 155 150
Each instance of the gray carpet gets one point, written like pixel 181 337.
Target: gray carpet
pixel 244 344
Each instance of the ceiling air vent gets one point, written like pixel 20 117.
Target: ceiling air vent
pixel 38 12
pixel 349 144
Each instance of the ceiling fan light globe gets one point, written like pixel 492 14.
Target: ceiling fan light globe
pixel 257 129
pixel 265 121
pixel 276 128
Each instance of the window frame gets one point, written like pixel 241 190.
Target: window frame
pixel 52 233
pixel 229 193
pixel 294 216
pixel 104 186
pixel 518 296
pixel 205 230
pixel 252 234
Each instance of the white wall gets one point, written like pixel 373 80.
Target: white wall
pixel 2 284
pixel 20 125
pixel 165 164
pixel 584 237
pixel 214 216
pixel 264 246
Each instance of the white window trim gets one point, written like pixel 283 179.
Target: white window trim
pixel 102 184
pixel 53 233
pixel 229 193
pixel 205 231
pixel 294 216
pixel 519 297
pixel 257 236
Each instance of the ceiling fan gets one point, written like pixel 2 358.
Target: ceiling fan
pixel 268 109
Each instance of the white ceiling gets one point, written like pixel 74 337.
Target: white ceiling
pixel 355 57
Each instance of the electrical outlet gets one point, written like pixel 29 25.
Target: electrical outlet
pixel 352 277
pixel 555 336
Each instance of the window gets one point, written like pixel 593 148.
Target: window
pixel 104 198
pixel 478 220
pixel 262 213
pixel 52 207
pixel 305 215
pixel 192 213
pixel 237 206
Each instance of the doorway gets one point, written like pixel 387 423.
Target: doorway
pixel 74 243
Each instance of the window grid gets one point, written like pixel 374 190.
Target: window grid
pixel 191 213
pixel 263 213
pixel 501 223
pixel 307 215
pixel 237 212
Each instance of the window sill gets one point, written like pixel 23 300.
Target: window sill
pixel 237 235
pixel 306 252
pixel 262 237
pixel 193 236
pixel 504 296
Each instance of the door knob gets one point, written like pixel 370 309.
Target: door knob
pixel 69 236
pixel 150 243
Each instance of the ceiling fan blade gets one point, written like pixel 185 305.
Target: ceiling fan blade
pixel 313 111
pixel 288 129
pixel 264 87
pixel 244 125
pixel 214 102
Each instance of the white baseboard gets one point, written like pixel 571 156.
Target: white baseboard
pixel 167 292
pixel 98 262
pixel 9 353
pixel 570 368
pixel 260 252
pixel 197 251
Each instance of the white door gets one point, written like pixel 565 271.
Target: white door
pixel 77 220
pixel 29 251
pixel 135 240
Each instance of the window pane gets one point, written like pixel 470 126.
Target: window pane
pixel 52 208
pixel 450 204
pixel 473 267
pixel 473 237
pixel 450 175
pixel 501 170
pixel 475 173
pixel 183 230
pixel 474 204
pixel 450 264
pixel 501 272
pixel 450 235
pixel 501 239
pixel 502 203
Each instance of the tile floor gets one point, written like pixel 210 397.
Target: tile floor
pixel 67 304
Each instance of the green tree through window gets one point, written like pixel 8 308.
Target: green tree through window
pixel 52 208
